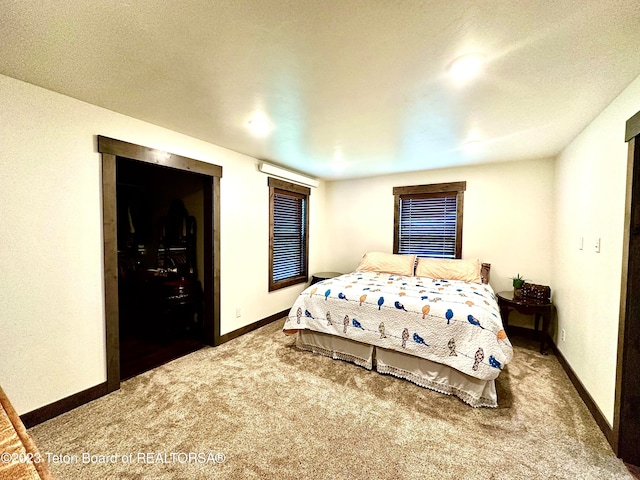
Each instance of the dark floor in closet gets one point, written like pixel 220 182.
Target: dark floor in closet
pixel 139 354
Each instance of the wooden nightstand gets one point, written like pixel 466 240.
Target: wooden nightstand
pixel 527 306
pixel 318 277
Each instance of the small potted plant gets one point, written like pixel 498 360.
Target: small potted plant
pixel 518 281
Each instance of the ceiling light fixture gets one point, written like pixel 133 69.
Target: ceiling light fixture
pixel 472 146
pixel 259 125
pixel 466 67
pixel 287 174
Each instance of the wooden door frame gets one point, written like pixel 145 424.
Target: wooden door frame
pixel 110 149
pixel 626 421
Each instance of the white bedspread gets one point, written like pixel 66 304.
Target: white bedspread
pixel 447 321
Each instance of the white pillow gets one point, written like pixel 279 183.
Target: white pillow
pixel 467 270
pixel 388 263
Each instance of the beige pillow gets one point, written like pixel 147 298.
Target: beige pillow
pixel 467 270
pixel 388 263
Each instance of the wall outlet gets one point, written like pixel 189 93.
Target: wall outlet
pixel 238 312
pixel 563 334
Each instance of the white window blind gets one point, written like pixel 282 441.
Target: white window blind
pixel 289 239
pixel 428 225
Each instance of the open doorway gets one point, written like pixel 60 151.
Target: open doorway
pixel 185 247
pixel 160 260
pixel 626 421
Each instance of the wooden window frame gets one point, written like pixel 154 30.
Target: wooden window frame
pixel 452 189
pixel 277 185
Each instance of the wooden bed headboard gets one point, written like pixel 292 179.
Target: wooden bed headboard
pixel 485 272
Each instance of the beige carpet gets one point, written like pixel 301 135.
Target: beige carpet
pixel 256 407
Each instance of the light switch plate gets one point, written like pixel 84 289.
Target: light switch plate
pixel 598 245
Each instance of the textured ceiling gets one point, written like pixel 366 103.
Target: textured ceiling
pixel 352 88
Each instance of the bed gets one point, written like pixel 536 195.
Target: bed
pixel 433 322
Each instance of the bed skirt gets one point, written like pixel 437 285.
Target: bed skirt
pixel 422 372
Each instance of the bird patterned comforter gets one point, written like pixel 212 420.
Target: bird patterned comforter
pixel 446 321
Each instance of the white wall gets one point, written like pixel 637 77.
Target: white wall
pixel 52 339
pixel 590 197
pixel 508 211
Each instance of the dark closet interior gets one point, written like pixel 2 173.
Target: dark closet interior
pixel 160 264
